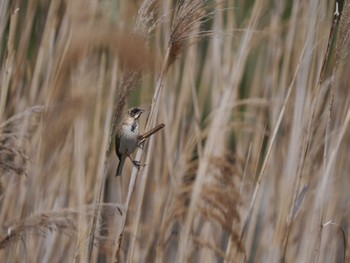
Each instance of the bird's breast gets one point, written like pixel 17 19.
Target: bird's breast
pixel 130 138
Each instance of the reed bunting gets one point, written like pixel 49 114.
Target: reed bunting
pixel 127 137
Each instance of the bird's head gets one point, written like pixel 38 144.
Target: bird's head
pixel 135 112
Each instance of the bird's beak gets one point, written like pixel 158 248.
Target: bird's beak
pixel 139 113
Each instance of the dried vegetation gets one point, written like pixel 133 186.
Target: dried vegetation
pixel 252 165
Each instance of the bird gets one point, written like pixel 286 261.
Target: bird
pixel 127 137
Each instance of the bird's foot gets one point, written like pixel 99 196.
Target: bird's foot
pixel 138 164
pixel 142 143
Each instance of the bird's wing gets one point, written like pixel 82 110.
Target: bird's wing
pixel 117 143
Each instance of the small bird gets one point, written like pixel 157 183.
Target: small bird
pixel 127 138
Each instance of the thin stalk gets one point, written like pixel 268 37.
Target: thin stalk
pixel 103 161
pixel 149 123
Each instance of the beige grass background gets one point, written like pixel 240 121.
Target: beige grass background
pixel 252 165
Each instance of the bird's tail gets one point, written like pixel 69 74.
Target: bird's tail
pixel 120 166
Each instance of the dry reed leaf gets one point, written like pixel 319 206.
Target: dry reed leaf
pixel 129 79
pixel 344 32
pixel 201 243
pixel 131 50
pixel 57 123
pixel 70 52
pixel 219 203
pixel 140 56
pixel 90 34
pixel 14 132
pixel 64 221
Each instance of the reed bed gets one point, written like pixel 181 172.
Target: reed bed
pixel 251 166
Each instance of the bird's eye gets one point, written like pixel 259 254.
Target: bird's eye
pixel 134 111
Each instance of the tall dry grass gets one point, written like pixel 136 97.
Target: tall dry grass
pixel 251 166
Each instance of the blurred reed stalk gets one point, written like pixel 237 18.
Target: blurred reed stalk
pixel 251 166
pixel 187 18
